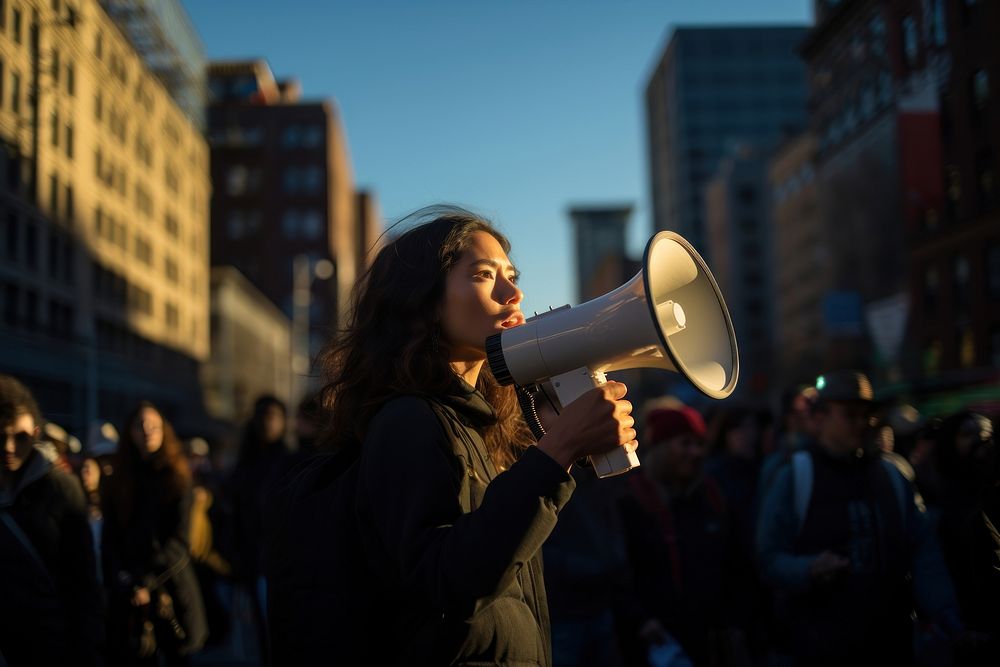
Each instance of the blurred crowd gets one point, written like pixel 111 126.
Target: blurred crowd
pixel 838 530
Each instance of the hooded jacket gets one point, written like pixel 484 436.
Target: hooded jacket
pixel 454 543
pixel 53 605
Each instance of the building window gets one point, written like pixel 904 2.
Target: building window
pixel 15 92
pixel 934 20
pixel 99 106
pixel 54 195
pixel 173 320
pixel 54 128
pixel 30 309
pixel 69 140
pixel 11 296
pixel 237 179
pixel 312 225
pixel 962 272
pixel 55 252
pixel 953 182
pixel 986 179
pixel 31 245
pixel 966 343
pixel 980 91
pixel 911 41
pixel 15 21
pixel 932 283
pixel 55 66
pixel 70 210
pixel 993 270
pixel 13 237
pixel 291 137
pixel 99 45
pixel 71 80
pixel 173 275
pixel 877 29
pixel 143 251
pixel 173 229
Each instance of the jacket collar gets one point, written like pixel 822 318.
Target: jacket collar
pixel 469 404
pixel 36 467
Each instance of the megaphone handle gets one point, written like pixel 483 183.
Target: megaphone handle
pixel 571 386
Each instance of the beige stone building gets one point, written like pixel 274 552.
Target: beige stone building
pixel 251 348
pixel 105 212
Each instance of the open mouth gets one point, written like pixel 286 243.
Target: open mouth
pixel 516 319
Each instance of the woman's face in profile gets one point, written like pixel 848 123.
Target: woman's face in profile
pixel 147 432
pixel 481 298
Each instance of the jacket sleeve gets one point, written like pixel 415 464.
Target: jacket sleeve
pixel 175 541
pixel 78 564
pixel 408 506
pixel 933 592
pixel 777 529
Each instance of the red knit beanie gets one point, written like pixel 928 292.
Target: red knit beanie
pixel 665 423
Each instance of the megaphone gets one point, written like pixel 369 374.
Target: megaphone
pixel 671 315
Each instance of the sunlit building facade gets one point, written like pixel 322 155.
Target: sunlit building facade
pixel 105 227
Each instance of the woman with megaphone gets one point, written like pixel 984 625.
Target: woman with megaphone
pixel 453 500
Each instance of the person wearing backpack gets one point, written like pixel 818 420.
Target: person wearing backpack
pixel 432 519
pixel 845 546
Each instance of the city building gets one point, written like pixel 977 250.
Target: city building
pixel 105 203
pixel 711 89
pixel 801 264
pixel 903 96
pixel 599 235
pixel 369 227
pixel 852 54
pixel 738 236
pixel 283 189
pixel 246 327
pixel 949 78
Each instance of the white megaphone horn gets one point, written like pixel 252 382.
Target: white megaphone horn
pixel 671 315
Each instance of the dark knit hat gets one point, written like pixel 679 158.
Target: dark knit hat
pixel 665 423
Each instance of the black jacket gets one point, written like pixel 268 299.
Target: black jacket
pixel 454 545
pixel 154 541
pixel 52 609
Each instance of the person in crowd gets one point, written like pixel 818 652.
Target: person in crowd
pixel 155 605
pixel 740 438
pixel 796 431
pixel 210 565
pixel 844 544
pixel 90 477
pixel 453 502
pixel 680 545
pixel 264 457
pixel 51 604
pixel 585 573
pixel 964 454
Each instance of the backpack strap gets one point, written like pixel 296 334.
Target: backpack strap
pixel 802 483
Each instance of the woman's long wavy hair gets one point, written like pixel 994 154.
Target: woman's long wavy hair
pixel 392 345
pixel 168 459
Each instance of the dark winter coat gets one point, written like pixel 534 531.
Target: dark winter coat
pixel 52 609
pixel 680 550
pixel 154 544
pixel 455 545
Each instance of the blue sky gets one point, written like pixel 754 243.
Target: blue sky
pixel 515 109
